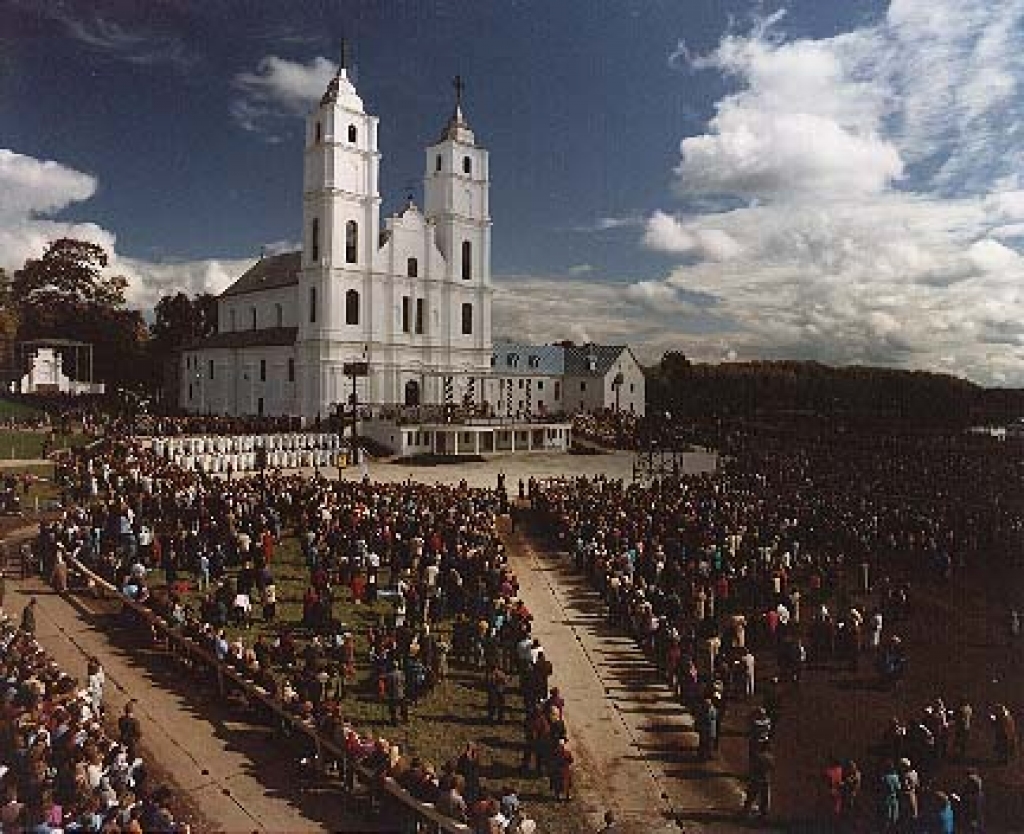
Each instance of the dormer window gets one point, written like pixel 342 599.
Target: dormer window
pixel 352 134
pixel 467 165
pixel 534 361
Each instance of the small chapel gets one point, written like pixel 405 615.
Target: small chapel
pixel 407 304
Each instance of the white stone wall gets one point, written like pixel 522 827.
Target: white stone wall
pixel 237 385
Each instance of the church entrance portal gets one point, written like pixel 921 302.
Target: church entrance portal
pixel 412 392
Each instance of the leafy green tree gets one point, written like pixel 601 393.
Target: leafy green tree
pixel 67 280
pixel 67 294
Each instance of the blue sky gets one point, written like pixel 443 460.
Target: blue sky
pixel 835 179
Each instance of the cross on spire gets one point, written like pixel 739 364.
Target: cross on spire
pixel 459 86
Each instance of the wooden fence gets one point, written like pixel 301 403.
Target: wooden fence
pixel 415 817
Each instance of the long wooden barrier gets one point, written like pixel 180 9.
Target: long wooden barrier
pixel 424 818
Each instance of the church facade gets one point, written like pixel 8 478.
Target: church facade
pixel 408 302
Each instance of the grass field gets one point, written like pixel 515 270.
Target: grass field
pixel 18 411
pixel 28 445
pixel 444 720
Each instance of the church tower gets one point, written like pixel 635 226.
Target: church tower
pixel 341 227
pixel 456 196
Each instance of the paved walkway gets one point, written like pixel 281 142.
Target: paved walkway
pixel 238 777
pixel 633 741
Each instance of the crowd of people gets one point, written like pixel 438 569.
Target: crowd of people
pixel 737 582
pixel 611 428
pixel 66 765
pixel 431 552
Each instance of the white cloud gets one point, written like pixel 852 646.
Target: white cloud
pixel 607 224
pixel 875 196
pixel 279 87
pixel 33 186
pixel 35 189
pixel 667 234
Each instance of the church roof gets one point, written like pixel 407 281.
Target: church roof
pixel 267 337
pixel 457 129
pixel 268 273
pixel 591 360
pixel 517 359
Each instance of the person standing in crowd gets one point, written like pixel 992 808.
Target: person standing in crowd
pixel 28 617
pixel 972 808
pixel 1004 734
pixel 561 770
pixel 707 729
pixel 963 718
pixel 95 683
pixel 759 783
pixel 395 691
pixel 889 808
pixel 130 730
pixel 497 683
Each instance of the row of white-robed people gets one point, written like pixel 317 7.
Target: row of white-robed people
pixel 241 453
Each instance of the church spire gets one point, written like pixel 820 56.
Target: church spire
pixel 341 86
pixel 343 64
pixel 457 127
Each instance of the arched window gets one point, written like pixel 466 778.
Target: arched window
pixel 352 134
pixel 467 260
pixel 319 132
pixel 467 165
pixel 467 319
pixel 351 307
pixel 351 242
pixel 412 268
pixel 278 315
pixel 314 240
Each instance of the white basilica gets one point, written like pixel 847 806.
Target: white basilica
pixel 411 300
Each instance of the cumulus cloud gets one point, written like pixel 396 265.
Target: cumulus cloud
pixel 874 198
pixel 667 234
pixel 36 189
pixel 279 88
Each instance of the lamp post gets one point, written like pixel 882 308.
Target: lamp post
pixel 355 370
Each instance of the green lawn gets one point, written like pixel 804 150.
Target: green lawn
pixel 442 723
pixel 10 409
pixel 28 445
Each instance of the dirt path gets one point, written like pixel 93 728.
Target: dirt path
pixel 634 741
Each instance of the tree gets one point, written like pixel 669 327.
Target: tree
pixel 66 294
pixel 67 280
pixel 9 321
pixel 180 319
